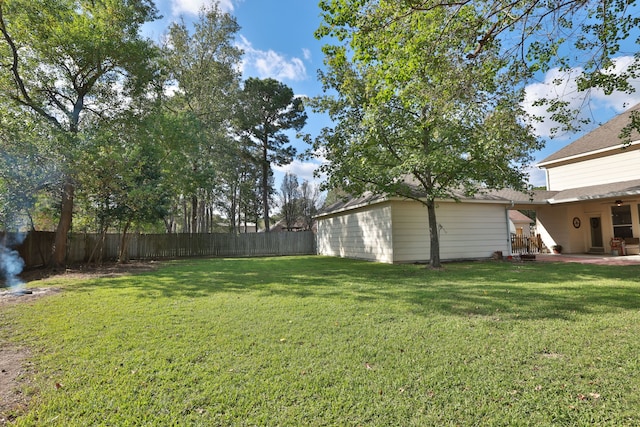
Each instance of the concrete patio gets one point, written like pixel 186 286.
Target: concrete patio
pixel 601 259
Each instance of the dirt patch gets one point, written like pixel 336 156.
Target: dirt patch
pixel 16 297
pixel 15 367
pixel 90 271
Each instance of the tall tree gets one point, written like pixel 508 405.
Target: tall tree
pixel 289 195
pixel 309 200
pixel 415 114
pixel 204 76
pixel 71 62
pixel 269 109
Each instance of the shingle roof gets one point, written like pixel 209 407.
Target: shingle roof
pixel 517 216
pixel 498 196
pixel 605 136
pixel 507 196
pixel 596 192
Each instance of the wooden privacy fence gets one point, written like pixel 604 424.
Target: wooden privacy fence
pixel 35 249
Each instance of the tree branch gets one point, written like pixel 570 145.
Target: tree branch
pixel 23 96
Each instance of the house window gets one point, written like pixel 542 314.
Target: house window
pixel 621 218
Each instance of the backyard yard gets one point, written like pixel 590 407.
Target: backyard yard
pixel 324 341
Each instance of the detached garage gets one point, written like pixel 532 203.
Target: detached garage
pixel 394 230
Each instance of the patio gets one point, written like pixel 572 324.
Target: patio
pixel 601 259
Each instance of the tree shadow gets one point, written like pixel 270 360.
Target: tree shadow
pixel 492 289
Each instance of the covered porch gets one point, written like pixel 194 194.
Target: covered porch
pixel 601 220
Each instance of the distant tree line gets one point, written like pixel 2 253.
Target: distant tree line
pixel 102 129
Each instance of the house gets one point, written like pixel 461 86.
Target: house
pixel 519 223
pixel 591 204
pixel 299 225
pixel 593 192
pixel 393 229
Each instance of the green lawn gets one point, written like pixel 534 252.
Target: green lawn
pixel 322 341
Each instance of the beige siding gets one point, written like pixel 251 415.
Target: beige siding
pixel 364 234
pixel 552 223
pixel 623 166
pixel 555 224
pixel 467 230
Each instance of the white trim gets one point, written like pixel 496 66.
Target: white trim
pixel 587 154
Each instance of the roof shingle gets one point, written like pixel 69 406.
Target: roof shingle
pixel 605 136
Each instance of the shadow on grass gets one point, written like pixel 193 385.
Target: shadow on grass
pixel 494 289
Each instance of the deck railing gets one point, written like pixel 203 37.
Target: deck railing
pixel 521 244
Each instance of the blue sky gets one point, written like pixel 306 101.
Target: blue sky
pixel 277 38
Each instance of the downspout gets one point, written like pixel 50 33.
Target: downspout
pixel 506 217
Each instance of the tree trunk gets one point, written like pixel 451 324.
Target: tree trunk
pixel 194 214
pixel 185 216
pixel 434 248
pixel 59 250
pixel 99 244
pixel 122 256
pixel 265 188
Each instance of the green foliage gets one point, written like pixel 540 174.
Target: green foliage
pixel 268 109
pixel 202 73
pixel 127 184
pixel 325 341
pixel 68 55
pixel 29 168
pixel 418 112
pixel 538 36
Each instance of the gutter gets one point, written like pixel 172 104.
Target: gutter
pixel 506 217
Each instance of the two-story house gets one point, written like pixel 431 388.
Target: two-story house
pixel 593 192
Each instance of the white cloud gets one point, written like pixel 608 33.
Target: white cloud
pixel 303 170
pixel 193 7
pixel 306 53
pixel 270 63
pixel 563 85
pixel 537 177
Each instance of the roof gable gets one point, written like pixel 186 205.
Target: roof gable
pixel 602 138
pixel 517 216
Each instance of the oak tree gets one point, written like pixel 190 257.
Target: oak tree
pixel 73 62
pixel 415 113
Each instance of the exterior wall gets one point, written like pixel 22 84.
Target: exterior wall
pixel 552 223
pixel 605 170
pixel 398 231
pixel 555 225
pixel 467 231
pixel 362 233
pixel 525 227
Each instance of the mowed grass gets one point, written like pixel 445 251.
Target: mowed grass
pixel 322 341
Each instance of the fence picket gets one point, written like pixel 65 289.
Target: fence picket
pixel 36 248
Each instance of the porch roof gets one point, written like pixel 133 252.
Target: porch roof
pixel 597 192
pixel 592 192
